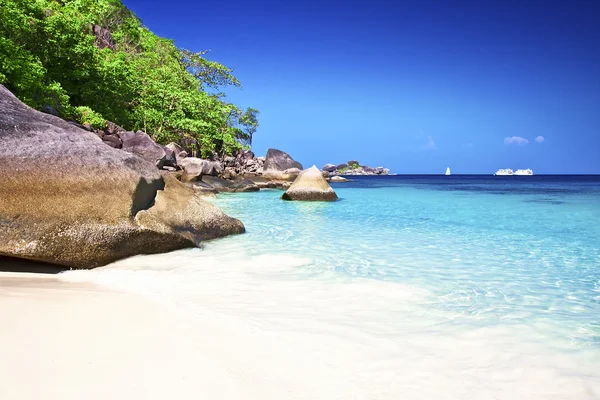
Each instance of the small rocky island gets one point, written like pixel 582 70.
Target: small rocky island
pixel 352 167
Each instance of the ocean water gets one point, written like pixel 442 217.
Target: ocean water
pixel 413 287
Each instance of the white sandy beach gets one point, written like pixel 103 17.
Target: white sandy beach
pixel 77 341
pixel 64 339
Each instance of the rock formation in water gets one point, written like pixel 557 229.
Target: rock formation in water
pixel 310 186
pixel 68 198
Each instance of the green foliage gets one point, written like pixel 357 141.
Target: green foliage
pixel 349 167
pixel 85 115
pixel 49 55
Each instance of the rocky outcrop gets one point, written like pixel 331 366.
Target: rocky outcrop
pixel 173 149
pixel 242 163
pixel 140 144
pixel 310 186
pixel 193 168
pixel 67 198
pixel 352 167
pixel 279 165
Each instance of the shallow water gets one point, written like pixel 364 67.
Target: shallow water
pixel 418 287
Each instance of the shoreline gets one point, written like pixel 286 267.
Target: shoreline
pixel 309 339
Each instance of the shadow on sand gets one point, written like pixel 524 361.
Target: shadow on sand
pixel 10 264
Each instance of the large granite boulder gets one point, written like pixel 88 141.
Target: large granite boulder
pixel 170 158
pixel 196 167
pixel 178 208
pixel 310 186
pixel 279 165
pixel 176 150
pixel 140 144
pixel 68 199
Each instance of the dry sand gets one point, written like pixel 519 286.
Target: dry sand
pixel 62 340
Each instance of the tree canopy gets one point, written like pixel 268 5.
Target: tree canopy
pixel 94 60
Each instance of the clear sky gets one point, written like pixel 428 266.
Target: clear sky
pixel 412 85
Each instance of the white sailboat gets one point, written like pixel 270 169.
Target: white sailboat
pixel 448 171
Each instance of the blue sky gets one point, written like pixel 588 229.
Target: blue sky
pixel 412 85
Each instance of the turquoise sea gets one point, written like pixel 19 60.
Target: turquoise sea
pixel 407 287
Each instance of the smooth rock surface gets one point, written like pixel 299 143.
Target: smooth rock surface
pixel 279 165
pixel 196 167
pixel 310 186
pixel 178 208
pixel 66 198
pixel 140 144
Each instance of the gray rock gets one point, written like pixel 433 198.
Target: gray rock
pixel 68 199
pixel 229 161
pixel 352 162
pixel 277 162
pixel 112 128
pixel 142 145
pixel 341 166
pixel 170 157
pixel 223 185
pixel 310 186
pixel 261 182
pixel 125 135
pixel 329 167
pixel 179 153
pixel 196 167
pixel 244 185
pixel 113 141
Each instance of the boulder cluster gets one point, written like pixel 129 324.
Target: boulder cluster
pixel 68 198
pixel 80 197
pixel 310 186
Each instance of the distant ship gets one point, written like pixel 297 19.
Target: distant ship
pixel 524 172
pixel 448 171
pixel 504 172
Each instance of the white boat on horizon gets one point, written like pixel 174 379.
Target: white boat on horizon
pixel 526 172
pixel 448 171
pixel 504 172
